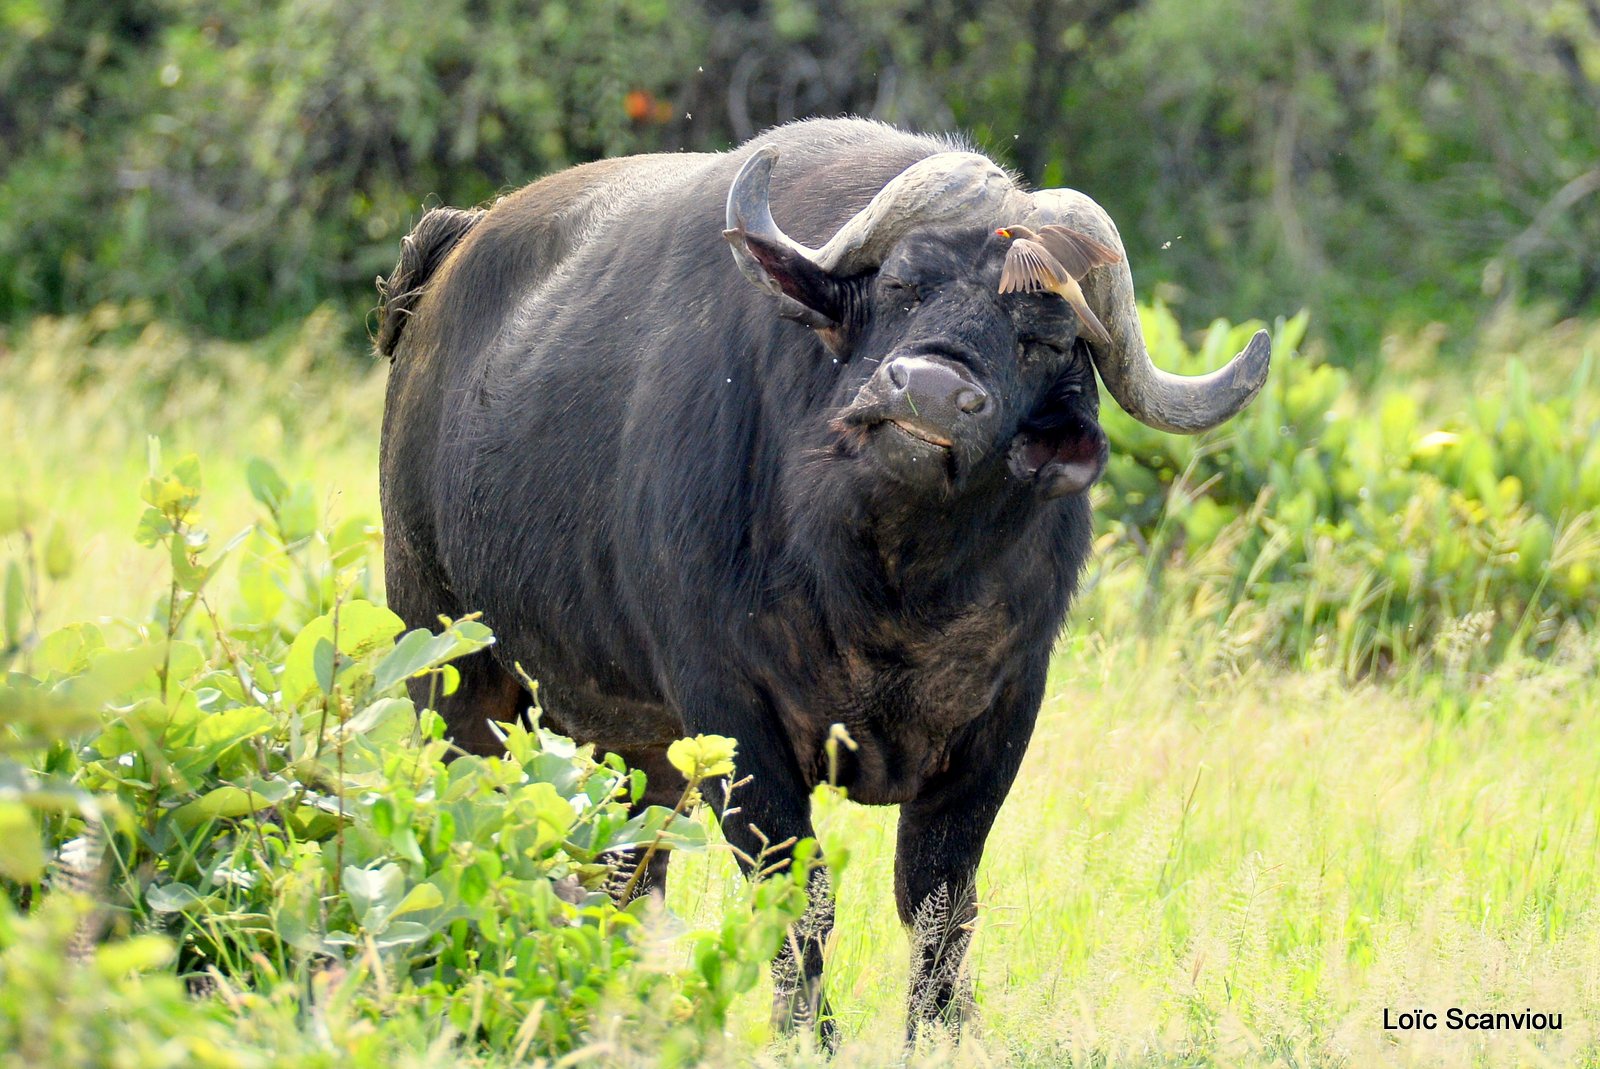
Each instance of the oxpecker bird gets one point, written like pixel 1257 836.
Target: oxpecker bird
pixel 1054 260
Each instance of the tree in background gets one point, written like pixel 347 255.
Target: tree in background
pixel 1385 162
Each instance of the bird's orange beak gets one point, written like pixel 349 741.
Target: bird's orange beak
pixel 1004 232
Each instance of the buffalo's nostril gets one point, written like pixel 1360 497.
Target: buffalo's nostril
pixel 898 375
pixel 972 401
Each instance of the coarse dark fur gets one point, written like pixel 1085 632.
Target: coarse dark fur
pixel 683 514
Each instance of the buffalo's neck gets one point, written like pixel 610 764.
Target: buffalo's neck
pixel 917 653
pixel 918 564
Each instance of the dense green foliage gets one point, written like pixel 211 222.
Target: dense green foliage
pixel 1377 162
pixel 254 786
pixel 1358 528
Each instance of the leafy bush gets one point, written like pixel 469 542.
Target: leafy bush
pixel 257 789
pixel 248 163
pixel 1325 522
pixel 241 164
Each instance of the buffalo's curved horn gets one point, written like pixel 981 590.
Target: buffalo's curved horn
pixel 947 187
pixel 1180 403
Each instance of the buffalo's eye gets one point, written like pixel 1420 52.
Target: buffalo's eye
pixel 1033 343
pixel 898 289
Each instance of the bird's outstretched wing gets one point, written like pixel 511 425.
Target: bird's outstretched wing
pixel 1078 253
pixel 1029 267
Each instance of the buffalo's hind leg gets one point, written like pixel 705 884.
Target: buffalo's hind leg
pixel 487 692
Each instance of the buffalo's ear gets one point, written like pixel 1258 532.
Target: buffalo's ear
pixel 806 293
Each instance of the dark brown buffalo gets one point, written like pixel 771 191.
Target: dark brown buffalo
pixel 765 493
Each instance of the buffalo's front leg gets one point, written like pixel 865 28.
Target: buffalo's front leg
pixel 798 999
pixel 935 890
pixel 940 843
pixel 767 814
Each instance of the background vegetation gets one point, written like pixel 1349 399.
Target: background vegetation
pixel 1321 737
pixel 239 163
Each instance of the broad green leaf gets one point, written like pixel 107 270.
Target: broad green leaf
pixel 322 664
pixel 679 833
pixel 174 898
pixel 153 527
pixel 221 803
pixel 66 652
pixel 59 556
pixel 178 491
pixel 383 817
pixel 189 572
pixel 474 884
pixel 556 769
pixel 363 627
pixel 422 896
pixel 542 806
pixel 266 485
pixel 273 789
pixel 374 893
pixel 402 934
pixel 419 651
pixel 387 720
pixel 21 852
pixel 233 725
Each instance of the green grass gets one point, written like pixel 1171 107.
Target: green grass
pixel 1195 870
pixel 1207 860
pixel 78 397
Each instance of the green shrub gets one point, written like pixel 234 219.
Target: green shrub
pixel 256 788
pixel 1336 524
pixel 244 164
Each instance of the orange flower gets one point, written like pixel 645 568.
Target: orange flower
pixel 639 105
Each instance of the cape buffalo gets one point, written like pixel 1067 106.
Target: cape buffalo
pixel 835 477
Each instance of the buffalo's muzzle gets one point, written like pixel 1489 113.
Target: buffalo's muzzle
pixel 929 398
